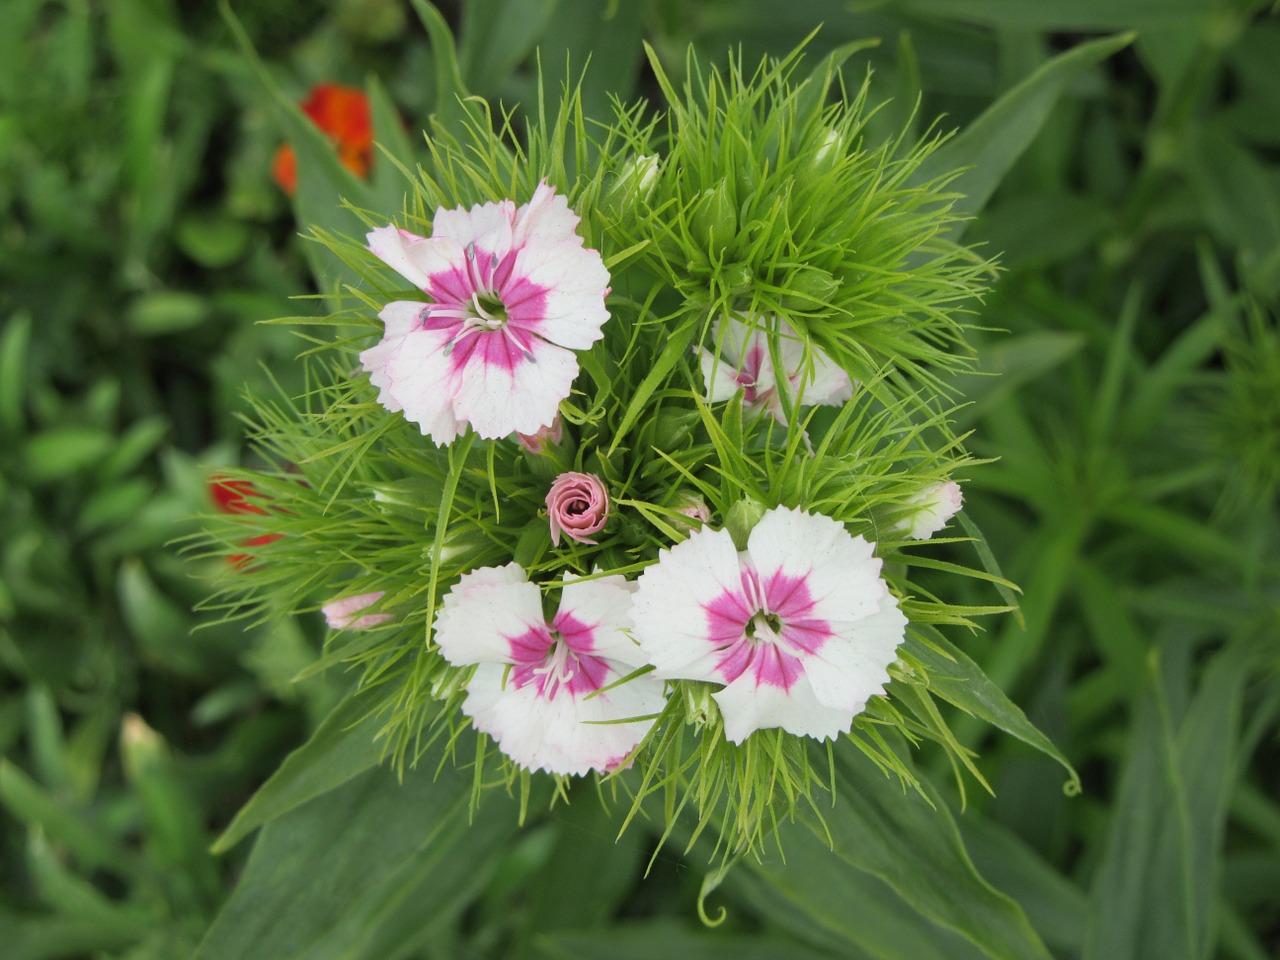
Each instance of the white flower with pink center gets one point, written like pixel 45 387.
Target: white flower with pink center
pixel 537 684
pixel 745 363
pixel 799 627
pixel 932 509
pixel 513 293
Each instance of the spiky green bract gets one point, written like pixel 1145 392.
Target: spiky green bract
pixel 768 201
pixel 828 234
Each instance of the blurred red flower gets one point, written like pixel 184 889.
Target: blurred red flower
pixel 234 496
pixel 343 114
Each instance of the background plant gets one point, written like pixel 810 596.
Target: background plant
pixel 1132 500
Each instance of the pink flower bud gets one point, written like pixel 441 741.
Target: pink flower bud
pixel 544 438
pixel 695 508
pixel 934 507
pixel 344 614
pixel 577 506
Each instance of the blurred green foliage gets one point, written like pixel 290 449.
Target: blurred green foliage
pixel 1134 200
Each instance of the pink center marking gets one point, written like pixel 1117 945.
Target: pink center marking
pixel 767 627
pixel 557 658
pixel 491 314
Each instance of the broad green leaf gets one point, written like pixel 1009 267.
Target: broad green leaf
pixel 342 747
pixel 1007 364
pixel 664 938
pixel 600 43
pixel 323 182
pixel 1056 907
pixel 14 342
pixel 1154 888
pixel 961 682
pixel 880 826
pixel 1237 191
pixel 388 182
pixel 84 839
pixel 590 870
pixel 1048 227
pixel 823 901
pixel 452 109
pixel 61 451
pixel 497 35
pixel 364 870
pixel 989 146
pixel 1055 15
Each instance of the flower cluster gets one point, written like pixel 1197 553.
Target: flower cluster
pixel 642 452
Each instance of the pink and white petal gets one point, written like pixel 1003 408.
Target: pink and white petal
pixel 747 708
pixel 842 576
pixel 573 283
pixel 853 667
pixel 717 376
pixel 828 383
pixel 812 371
pixel 670 611
pixel 517 719
pixel 413 375
pixel 546 220
pixel 413 257
pixel 604 605
pixel 482 610
pixel 499 400
pixel 402 317
pixel 484 220
pixel 595 737
pixel 731 338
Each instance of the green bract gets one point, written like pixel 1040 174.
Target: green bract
pixel 754 200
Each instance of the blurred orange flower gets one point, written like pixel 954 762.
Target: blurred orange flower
pixel 343 114
pixel 236 497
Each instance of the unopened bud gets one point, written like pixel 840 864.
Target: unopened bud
pixel 632 184
pixel 809 286
pixel 715 221
pixel 741 520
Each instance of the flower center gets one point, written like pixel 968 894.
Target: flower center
pixel 764 627
pixel 557 666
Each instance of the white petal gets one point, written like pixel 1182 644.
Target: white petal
pixel 670 615
pixel 717 376
pixel 401 317
pixel 499 401
pixel 546 220
pixel 413 257
pixel 825 382
pixel 842 576
pixel 605 606
pixel 488 225
pixel 852 667
pixel 810 370
pixel 747 708
pixel 574 283
pixel 412 374
pixel 557 735
pixel 482 610
pixel 938 504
